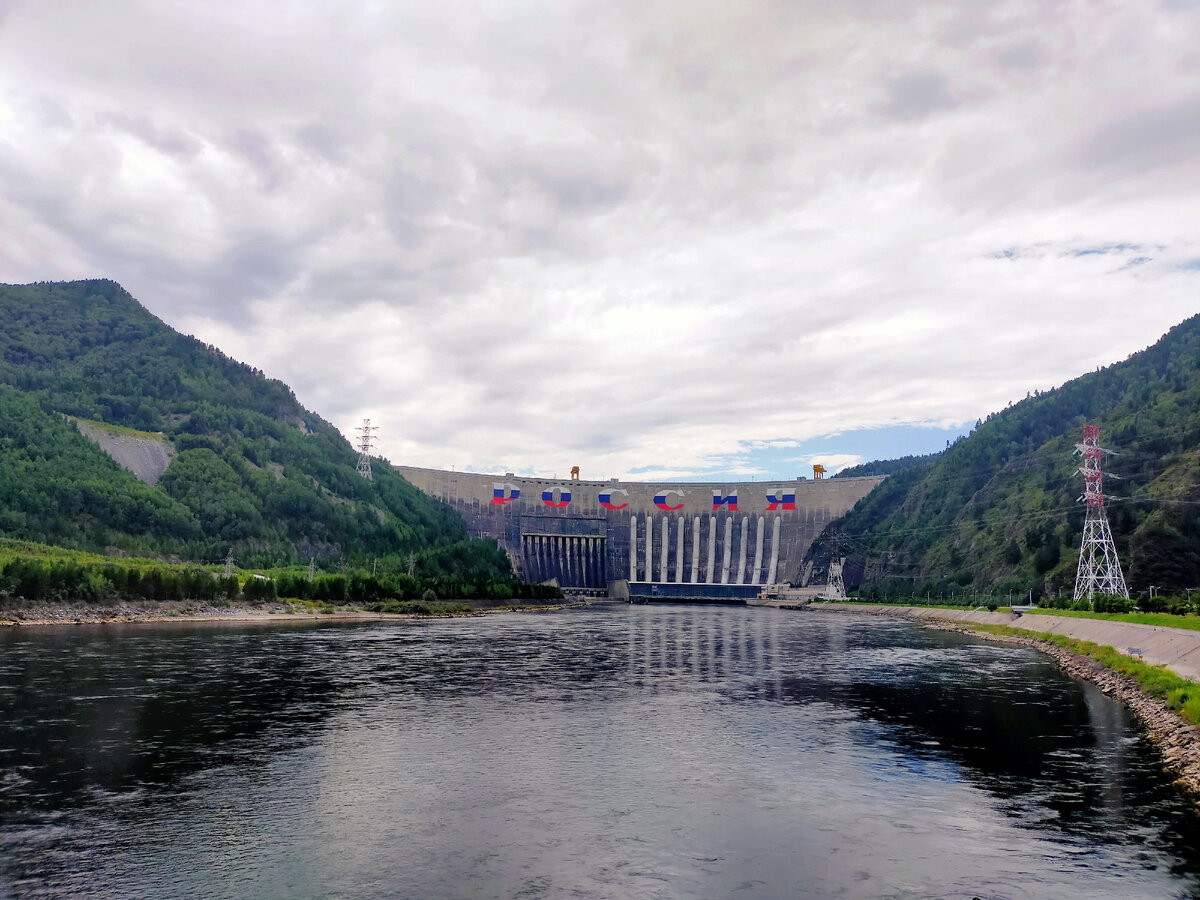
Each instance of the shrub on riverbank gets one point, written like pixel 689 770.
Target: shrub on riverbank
pixel 420 607
pixel 1101 603
pixel 64 581
pixel 83 578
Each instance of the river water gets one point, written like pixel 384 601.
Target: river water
pixel 615 752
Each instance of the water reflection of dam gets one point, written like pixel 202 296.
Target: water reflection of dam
pixel 595 537
pixel 691 641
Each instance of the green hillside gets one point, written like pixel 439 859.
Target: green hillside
pixel 997 510
pixel 252 468
pixel 888 466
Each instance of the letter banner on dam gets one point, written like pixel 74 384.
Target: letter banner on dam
pixel 505 493
pixel 660 500
pixel 606 501
pixel 730 502
pixel 564 498
pixel 597 537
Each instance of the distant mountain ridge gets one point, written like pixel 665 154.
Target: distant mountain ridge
pixel 249 467
pixel 887 466
pixel 997 510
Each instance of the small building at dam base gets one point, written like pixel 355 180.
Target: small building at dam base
pixel 596 538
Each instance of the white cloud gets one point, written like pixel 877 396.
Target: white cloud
pixel 614 234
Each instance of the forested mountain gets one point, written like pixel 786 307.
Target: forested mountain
pixel 887 466
pixel 251 468
pixel 997 510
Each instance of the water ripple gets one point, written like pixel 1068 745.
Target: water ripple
pixel 618 751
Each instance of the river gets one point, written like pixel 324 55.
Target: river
pixel 608 752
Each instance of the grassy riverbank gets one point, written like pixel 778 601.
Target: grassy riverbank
pixel 1163 620
pixel 1190 621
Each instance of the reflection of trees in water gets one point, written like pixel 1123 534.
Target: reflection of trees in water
pixel 112 710
pixel 1051 750
pixel 1047 747
pixel 1110 725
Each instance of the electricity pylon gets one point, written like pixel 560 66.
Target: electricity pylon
pixel 1099 569
pixel 364 447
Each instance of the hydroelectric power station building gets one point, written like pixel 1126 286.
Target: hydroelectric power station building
pixel 703 540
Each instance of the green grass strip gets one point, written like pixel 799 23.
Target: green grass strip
pixel 1166 620
pixel 15 549
pixel 1180 694
pixel 121 430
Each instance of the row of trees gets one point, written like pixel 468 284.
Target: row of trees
pixel 57 581
pixel 1103 603
pixel 69 581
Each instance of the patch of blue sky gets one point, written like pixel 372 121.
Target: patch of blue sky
pixel 784 460
pixel 1136 261
pixel 1105 249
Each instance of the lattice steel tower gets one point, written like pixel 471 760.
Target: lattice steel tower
pixel 1099 569
pixel 836 588
pixel 365 430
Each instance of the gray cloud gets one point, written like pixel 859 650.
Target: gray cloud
pixel 915 95
pixel 1023 56
pixel 1147 138
pixel 617 234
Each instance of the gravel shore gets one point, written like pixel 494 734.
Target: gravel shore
pixel 185 611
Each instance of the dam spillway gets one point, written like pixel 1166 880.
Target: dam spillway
pixel 597 537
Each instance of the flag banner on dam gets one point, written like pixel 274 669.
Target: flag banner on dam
pixel 596 537
pixel 557 498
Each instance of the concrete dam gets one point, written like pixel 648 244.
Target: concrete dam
pixel 693 539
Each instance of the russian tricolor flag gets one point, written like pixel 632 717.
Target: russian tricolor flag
pixel 730 501
pixel 660 500
pixel 785 501
pixel 564 497
pixel 504 493
pixel 606 499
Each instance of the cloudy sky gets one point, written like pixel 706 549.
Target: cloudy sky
pixel 666 238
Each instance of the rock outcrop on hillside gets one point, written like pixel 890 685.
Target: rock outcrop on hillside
pixel 146 457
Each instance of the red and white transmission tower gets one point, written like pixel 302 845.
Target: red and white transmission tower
pixel 1099 569
pixel 365 430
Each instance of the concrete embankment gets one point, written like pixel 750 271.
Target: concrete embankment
pixel 1177 740
pixel 1176 648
